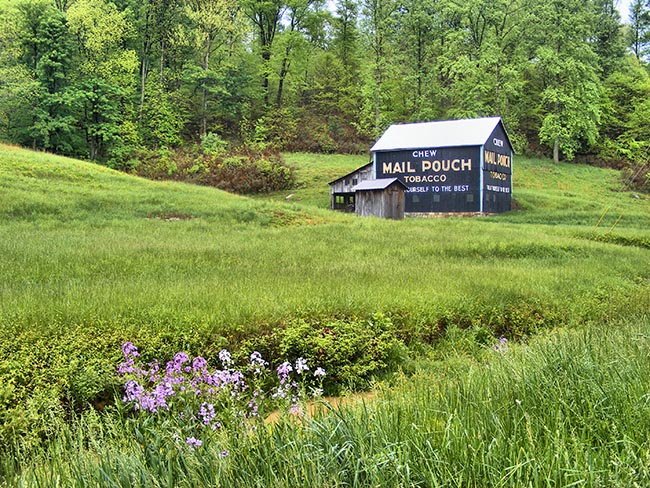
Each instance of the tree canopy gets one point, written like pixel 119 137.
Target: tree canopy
pixel 104 79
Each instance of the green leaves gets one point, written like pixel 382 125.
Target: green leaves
pixel 311 75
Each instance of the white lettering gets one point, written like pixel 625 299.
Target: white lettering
pixel 428 153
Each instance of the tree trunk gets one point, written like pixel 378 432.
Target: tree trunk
pixel 266 57
pixel 556 151
pixel 283 74
pixel 204 105
pixel 144 70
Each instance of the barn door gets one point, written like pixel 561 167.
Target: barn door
pixel 393 204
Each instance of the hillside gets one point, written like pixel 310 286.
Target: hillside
pixel 93 258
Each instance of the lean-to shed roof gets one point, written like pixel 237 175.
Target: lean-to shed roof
pixel 443 133
pixel 380 184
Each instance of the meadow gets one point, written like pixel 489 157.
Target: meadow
pixel 92 258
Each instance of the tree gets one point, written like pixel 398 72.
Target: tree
pixel 564 75
pixel 608 41
pixel 639 29
pixel 265 16
pixel 106 72
pixel 418 28
pixel 19 90
pixel 44 49
pixel 345 42
pixel 215 23
pixel 377 16
pixel 625 120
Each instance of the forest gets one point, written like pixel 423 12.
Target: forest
pixel 119 81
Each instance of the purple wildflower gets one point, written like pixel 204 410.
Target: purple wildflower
pixel 126 367
pixel 301 365
pixel 225 357
pixel 128 349
pixel 257 363
pixel 193 442
pixel 224 453
pixel 319 372
pixel 502 345
pixel 199 364
pixel 180 358
pixel 253 406
pixel 206 413
pixel 176 365
pixel 296 410
pixel 283 371
pixel 154 367
pixel 133 392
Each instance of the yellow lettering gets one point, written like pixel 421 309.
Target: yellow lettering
pixel 426 165
pixel 388 168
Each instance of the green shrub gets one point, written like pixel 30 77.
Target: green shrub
pixel 352 351
pixel 213 145
pixel 244 170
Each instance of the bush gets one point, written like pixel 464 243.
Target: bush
pixel 352 352
pixel 245 170
pixel 213 145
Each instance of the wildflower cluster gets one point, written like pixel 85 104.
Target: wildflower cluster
pixel 501 346
pixel 200 401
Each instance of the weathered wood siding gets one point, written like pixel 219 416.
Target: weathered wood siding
pixel 385 204
pixel 341 195
pixel 345 185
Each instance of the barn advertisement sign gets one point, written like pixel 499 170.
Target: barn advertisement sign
pixel 438 179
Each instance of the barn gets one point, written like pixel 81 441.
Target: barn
pixel 451 166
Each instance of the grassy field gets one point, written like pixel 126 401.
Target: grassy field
pixel 568 409
pixel 92 258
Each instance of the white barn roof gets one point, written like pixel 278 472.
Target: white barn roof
pixel 444 133
pixel 380 184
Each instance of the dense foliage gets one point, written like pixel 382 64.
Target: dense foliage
pixel 245 170
pixel 104 79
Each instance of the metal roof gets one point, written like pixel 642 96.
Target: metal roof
pixel 443 133
pixel 380 184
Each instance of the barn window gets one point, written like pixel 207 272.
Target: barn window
pixel 436 198
pixel 416 199
pixel 347 181
pixel 340 199
pixel 470 198
pixel 354 181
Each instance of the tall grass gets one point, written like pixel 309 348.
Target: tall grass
pixel 92 258
pixel 568 409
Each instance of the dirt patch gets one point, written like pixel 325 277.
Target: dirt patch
pixel 326 404
pixel 170 217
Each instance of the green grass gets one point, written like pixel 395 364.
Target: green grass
pixel 568 409
pixel 92 258
pixel 314 172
